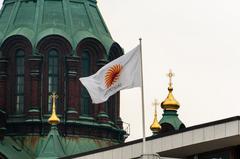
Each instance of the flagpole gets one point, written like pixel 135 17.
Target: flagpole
pixel 143 111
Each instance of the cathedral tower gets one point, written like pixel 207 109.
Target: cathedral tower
pixel 45 46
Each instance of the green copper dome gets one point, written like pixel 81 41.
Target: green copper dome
pixel 45 47
pixel 72 19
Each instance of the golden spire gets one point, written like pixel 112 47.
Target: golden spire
pixel 54 120
pixel 155 127
pixel 170 103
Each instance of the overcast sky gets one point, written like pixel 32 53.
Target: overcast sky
pixel 198 39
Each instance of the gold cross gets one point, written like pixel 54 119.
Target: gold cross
pixel 170 75
pixel 155 104
pixel 54 96
pixel 54 120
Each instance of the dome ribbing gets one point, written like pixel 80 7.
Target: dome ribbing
pixel 36 19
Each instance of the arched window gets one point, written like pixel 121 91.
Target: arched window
pixel 53 75
pixel 86 70
pixel 55 50
pixel 19 91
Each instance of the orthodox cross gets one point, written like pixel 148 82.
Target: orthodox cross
pixel 54 96
pixel 170 75
pixel 155 104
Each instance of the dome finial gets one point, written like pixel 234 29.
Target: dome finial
pixel 170 103
pixel 170 75
pixel 155 127
pixel 54 120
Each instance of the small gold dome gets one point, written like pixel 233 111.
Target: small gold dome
pixel 170 103
pixel 155 127
pixel 54 120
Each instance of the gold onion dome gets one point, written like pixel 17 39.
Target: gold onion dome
pixel 155 127
pixel 54 120
pixel 170 103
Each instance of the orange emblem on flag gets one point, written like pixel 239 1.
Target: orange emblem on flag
pixel 112 75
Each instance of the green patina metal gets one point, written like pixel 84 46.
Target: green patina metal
pixel 74 20
pixel 171 117
pixel 13 149
pixel 53 147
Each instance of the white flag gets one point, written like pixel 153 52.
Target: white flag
pixel 121 73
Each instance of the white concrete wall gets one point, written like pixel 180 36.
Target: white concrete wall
pixel 209 134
